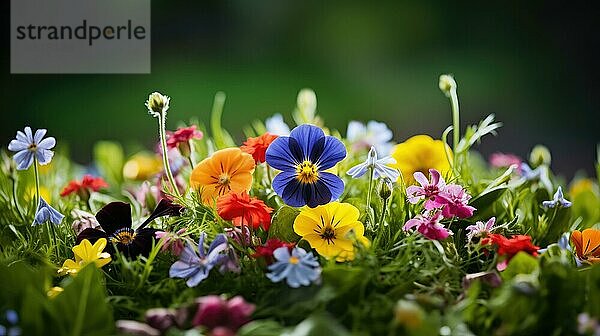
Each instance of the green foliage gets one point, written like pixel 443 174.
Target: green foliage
pixel 110 158
pixel 282 225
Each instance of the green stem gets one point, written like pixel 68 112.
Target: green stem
pixel 455 119
pixel 163 143
pixel 368 207
pixel 37 183
pixel 382 226
pixel 14 191
pixel 268 168
pixel 191 162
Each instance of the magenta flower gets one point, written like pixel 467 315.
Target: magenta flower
pixel 428 189
pixel 173 242
pixel 453 200
pixel 428 224
pixel 216 313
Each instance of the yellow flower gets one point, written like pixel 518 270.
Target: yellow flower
pixel 581 186
pixel 54 291
pixel 86 253
pixel 227 170
pixel 419 154
pixel 331 229
pixel 142 166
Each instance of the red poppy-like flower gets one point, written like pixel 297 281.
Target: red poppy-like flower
pixel 83 187
pixel 182 135
pixel 257 147
pixel 243 209
pixel 266 251
pixel 509 247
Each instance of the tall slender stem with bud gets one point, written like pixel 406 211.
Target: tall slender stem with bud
pixel 157 105
pixel 448 86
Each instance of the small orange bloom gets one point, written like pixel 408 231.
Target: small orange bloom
pixel 89 183
pixel 587 245
pixel 241 208
pixel 227 170
pixel 258 146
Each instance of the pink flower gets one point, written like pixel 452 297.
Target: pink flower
pixel 220 315
pixel 453 200
pixel 173 242
pixel 428 224
pixel 427 190
pixel 500 160
pixel 182 136
pixel 480 229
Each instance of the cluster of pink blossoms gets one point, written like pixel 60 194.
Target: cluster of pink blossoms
pixel 441 201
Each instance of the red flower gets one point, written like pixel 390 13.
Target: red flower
pixel 182 136
pixel 83 188
pixel 257 147
pixel 266 251
pixel 510 247
pixel 243 209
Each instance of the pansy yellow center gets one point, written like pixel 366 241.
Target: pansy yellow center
pixel 307 172
pixel 294 260
pixel 124 236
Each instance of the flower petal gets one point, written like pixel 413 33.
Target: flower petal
pixel 307 136
pixel 47 143
pixel 280 156
pixel 39 135
pixel 114 216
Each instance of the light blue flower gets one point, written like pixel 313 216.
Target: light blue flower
pixel 46 213
pixel 195 266
pixel 298 269
pixel 275 125
pixel 558 200
pixel 380 167
pixel 11 329
pixel 29 146
pixel 373 134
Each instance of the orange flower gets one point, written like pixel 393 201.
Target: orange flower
pixel 243 209
pixel 227 170
pixel 258 146
pixel 587 245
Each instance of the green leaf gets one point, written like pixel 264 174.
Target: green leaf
pixel 317 325
pixel 282 226
pixel 109 157
pixel 521 263
pixel 261 328
pixel 82 309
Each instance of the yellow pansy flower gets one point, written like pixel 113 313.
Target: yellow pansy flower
pixel 142 166
pixel 86 253
pixel 419 154
pixel 331 229
pixel 581 186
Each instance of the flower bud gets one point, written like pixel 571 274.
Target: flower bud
pixel 307 104
pixel 385 188
pixel 160 318
pixel 447 84
pixel 408 314
pixel 83 220
pixel 540 155
pixel 157 104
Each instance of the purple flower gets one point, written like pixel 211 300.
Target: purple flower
pixel 557 201
pixel 428 224
pixel 299 268
pixel 214 312
pixel 195 266
pixel 428 189
pixel 453 200
pixel 479 229
pixel 30 147
pixel 379 166
pixel 303 159
pixel 46 213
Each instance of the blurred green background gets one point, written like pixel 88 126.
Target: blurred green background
pixel 534 64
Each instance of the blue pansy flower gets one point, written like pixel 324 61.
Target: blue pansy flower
pixel 300 268
pixel 29 146
pixel 46 213
pixel 195 266
pixel 380 167
pixel 557 201
pixel 303 158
